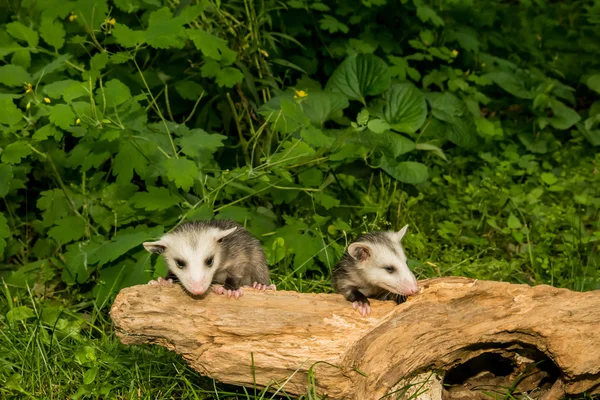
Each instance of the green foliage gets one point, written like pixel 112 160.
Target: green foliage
pixel 477 123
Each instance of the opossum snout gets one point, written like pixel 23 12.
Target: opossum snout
pixel 197 288
pixel 409 288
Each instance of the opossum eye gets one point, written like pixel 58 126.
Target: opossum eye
pixel 390 269
pixel 209 261
pixel 180 263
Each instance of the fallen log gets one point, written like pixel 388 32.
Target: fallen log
pixel 473 336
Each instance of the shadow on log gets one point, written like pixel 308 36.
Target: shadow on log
pixel 471 336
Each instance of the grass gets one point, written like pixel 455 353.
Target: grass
pixel 57 345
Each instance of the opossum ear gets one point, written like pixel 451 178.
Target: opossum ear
pixel 400 234
pixel 359 251
pixel 155 247
pixel 222 234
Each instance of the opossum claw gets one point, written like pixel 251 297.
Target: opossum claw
pixel 263 287
pixel 161 281
pixel 229 293
pixel 219 289
pixel 363 308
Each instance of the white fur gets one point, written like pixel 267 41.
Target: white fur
pixel 196 277
pixel 402 280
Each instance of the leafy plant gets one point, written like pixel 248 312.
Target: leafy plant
pixel 309 122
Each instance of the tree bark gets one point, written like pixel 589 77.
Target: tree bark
pixel 472 336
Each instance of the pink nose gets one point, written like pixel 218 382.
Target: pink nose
pixel 197 289
pixel 412 288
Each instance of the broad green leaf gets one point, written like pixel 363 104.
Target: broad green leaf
pixel 390 143
pixel 462 131
pixel 427 14
pixel 210 68
pixel 155 199
pixel 55 90
pixel 91 13
pixel 593 82
pixel 20 313
pixel 68 229
pixel 315 137
pixel 328 23
pixel 458 125
pixel 13 75
pixel 76 258
pixel 405 109
pixel 9 113
pixel 125 240
pixel 549 178
pixel 54 205
pixel 164 31
pixel 129 159
pixel 564 117
pixel 116 93
pixel 99 61
pixel 229 77
pixel 22 58
pixel 359 76
pixel 182 172
pixel 212 46
pixel 127 37
pixel 511 83
pixel 198 143
pixel 52 32
pixel 90 375
pixel 319 107
pixel 62 116
pixel 407 171
pixel 15 152
pixel 189 90
pixel 433 148
pixel 128 6
pixel 513 222
pixel 22 32
pixel 53 66
pixel 4 229
pixel 6 175
pixel 190 13
pixel 327 201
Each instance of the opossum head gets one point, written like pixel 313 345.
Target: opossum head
pixel 381 261
pixel 193 255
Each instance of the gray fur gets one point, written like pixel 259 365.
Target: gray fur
pixel 239 259
pixel 242 254
pixel 350 277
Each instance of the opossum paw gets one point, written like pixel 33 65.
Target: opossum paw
pixel 262 287
pixel 229 293
pixel 161 281
pixel 363 308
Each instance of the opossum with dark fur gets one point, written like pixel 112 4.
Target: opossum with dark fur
pixel 221 252
pixel 374 266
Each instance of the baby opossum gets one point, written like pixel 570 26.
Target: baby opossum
pixel 201 253
pixel 374 266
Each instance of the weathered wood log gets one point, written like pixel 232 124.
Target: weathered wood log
pixel 473 335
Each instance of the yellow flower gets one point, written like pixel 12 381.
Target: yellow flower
pixel 454 53
pixel 28 106
pixel 110 21
pixel 72 17
pixel 28 88
pixel 300 94
pixel 77 121
pixel 47 100
pixel 483 65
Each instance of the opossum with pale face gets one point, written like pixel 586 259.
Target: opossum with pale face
pixel 221 252
pixel 374 266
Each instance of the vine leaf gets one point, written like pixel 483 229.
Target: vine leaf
pixel 359 76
